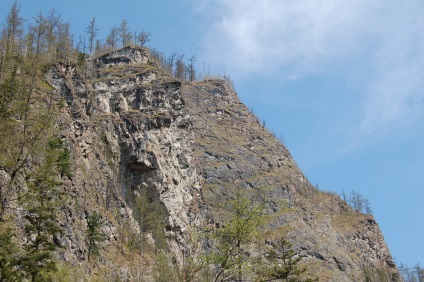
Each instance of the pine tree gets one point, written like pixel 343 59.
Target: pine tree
pixel 151 215
pixel 94 236
pixel 243 219
pixel 24 122
pixel 40 213
pixel 14 32
pixel 164 270
pixel 8 255
pixel 30 156
pixel 284 264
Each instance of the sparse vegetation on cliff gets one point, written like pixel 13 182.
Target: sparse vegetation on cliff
pixel 123 167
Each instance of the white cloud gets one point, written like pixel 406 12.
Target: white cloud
pixel 380 42
pixel 396 93
pixel 254 36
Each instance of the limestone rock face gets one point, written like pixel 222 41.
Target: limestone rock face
pixel 234 149
pixel 129 134
pixel 134 131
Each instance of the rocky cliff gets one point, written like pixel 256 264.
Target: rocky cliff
pixel 140 138
pixel 233 147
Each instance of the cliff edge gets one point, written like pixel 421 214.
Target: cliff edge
pixel 155 156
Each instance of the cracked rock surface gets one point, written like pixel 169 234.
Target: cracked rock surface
pixel 132 129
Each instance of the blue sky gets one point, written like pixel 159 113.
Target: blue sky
pixel 341 81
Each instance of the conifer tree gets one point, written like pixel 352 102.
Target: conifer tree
pixel 8 254
pixel 124 33
pixel 151 216
pixel 11 40
pixel 64 44
pixel 30 157
pixel 244 217
pixel 40 213
pixel 94 236
pixel 164 270
pixel 52 23
pixel 14 29
pixel 284 264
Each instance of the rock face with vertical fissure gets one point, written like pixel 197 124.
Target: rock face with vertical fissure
pixel 132 129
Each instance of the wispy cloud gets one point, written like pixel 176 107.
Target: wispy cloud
pixel 253 36
pixel 378 42
pixel 396 91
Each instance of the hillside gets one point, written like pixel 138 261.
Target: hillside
pixel 156 158
pixel 233 147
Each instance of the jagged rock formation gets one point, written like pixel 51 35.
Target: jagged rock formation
pixel 133 130
pixel 129 133
pixel 233 147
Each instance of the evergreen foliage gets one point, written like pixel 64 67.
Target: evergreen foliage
pixel 27 112
pixel 41 208
pixel 283 264
pixel 63 160
pixel 151 215
pixel 164 270
pixel 33 156
pixel 30 154
pixel 242 249
pixel 230 242
pixel 379 274
pixel 8 254
pixel 94 235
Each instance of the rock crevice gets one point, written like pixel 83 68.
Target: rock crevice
pixel 135 132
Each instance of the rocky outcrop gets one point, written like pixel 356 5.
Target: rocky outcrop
pixel 137 134
pixel 130 135
pixel 234 149
pixel 125 56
